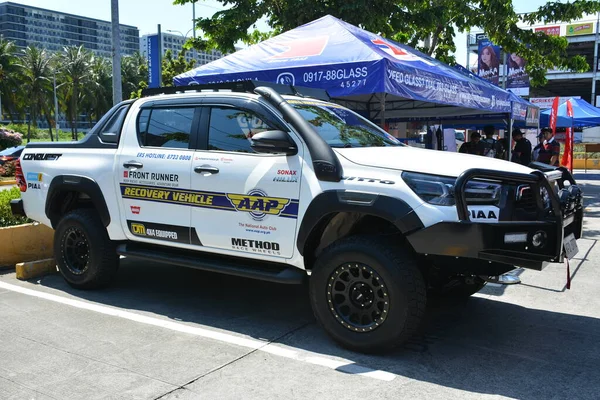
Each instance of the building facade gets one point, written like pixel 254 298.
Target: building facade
pixel 53 30
pixel 175 43
pixel 583 38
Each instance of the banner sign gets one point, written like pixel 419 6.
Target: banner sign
pixel 518 78
pixel 488 66
pixel 580 29
pixel 153 60
pixel 533 116
pixel 549 30
pixel 567 158
pixel 545 103
pixel 519 111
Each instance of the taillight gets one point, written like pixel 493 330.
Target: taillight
pixel 19 177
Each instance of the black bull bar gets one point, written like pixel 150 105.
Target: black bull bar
pixel 541 239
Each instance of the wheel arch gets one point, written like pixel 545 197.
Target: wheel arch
pixel 66 192
pixel 348 210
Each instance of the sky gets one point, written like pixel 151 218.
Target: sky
pixel 147 14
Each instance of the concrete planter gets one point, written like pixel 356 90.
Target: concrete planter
pixel 27 242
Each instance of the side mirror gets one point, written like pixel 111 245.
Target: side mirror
pixel 273 142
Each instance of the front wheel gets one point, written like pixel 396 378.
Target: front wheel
pixel 367 294
pixel 84 253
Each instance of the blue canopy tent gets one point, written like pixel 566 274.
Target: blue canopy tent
pixel 372 75
pixel 584 114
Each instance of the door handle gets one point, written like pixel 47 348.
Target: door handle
pixel 133 164
pixel 206 168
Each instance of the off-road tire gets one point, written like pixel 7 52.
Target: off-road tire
pixel 399 276
pixel 84 253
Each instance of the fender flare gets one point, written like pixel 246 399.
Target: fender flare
pixel 394 210
pixel 81 184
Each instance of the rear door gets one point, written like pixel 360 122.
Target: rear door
pixel 154 167
pixel 252 199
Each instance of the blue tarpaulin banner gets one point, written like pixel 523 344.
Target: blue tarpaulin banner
pixel 347 61
pixel 153 60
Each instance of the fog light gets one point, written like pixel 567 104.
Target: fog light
pixel 539 239
pixel 515 238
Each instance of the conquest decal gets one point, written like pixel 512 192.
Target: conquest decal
pixel 171 233
pixel 41 156
pixel 255 246
pixel 256 202
pixel 370 180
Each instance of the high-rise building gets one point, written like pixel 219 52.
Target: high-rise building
pixel 175 44
pixel 53 30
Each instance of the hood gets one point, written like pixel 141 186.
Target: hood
pixel 426 161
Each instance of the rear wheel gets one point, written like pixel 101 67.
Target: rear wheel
pixel 84 253
pixel 367 294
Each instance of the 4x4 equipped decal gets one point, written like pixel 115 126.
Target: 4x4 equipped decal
pixel 256 202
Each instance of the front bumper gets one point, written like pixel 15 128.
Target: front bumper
pixel 511 241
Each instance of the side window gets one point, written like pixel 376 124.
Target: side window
pixel 112 129
pixel 231 129
pixel 166 127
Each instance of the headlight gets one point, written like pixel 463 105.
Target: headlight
pixel 439 190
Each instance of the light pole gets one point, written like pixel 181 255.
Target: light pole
pixel 194 56
pixel 56 127
pixel 116 56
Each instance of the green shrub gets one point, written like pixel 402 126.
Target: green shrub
pixel 6 217
pixel 9 138
pixel 8 169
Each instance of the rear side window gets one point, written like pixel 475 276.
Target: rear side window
pixel 166 127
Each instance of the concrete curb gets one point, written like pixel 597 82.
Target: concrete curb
pixel 7 183
pixel 36 269
pixel 26 242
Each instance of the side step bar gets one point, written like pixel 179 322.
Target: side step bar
pixel 272 272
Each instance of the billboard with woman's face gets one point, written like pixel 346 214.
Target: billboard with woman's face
pixel 489 61
pixel 518 78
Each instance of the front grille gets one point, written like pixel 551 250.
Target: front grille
pixel 525 199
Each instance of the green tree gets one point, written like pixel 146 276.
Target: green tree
pixel 35 81
pixel 76 76
pixel 9 82
pixel 429 26
pixel 172 66
pixel 134 70
pixel 97 94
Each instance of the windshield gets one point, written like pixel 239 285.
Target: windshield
pixel 340 127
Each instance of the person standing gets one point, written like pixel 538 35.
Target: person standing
pixel 550 149
pixel 490 144
pixel 535 156
pixel 521 154
pixel 474 146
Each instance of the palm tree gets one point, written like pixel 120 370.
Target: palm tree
pixel 97 95
pixel 76 76
pixel 8 76
pixel 35 80
pixel 134 71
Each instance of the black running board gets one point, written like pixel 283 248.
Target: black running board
pixel 246 268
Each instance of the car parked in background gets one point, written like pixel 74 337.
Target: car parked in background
pixel 10 154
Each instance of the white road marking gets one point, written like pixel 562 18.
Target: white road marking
pixel 335 363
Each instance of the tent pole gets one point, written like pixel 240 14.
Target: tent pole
pixel 509 140
pixel 382 101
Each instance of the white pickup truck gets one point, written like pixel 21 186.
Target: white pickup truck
pixel 266 183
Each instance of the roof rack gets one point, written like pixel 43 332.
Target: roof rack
pixel 241 86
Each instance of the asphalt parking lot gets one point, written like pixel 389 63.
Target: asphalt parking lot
pixel 163 332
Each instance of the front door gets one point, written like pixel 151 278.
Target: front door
pixel 251 199
pixel 154 175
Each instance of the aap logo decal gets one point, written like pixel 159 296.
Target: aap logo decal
pixel 398 52
pixel 300 48
pixel 258 204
